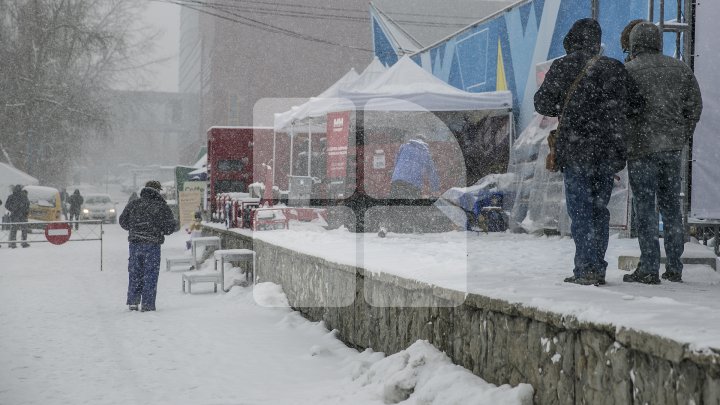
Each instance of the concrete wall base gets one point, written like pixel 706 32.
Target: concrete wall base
pixel 565 360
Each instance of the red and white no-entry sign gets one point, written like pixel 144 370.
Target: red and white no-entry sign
pixel 58 233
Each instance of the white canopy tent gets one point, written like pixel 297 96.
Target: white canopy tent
pixel 403 87
pixel 330 99
pixel 406 84
pixel 374 70
pixel 284 120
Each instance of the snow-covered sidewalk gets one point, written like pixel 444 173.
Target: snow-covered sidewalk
pixel 67 338
pixel 528 270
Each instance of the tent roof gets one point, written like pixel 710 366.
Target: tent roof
pixel 12 176
pixel 202 162
pixel 348 78
pixel 369 75
pixel 283 120
pixel 405 86
pixel 408 87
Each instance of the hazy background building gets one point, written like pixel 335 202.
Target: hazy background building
pixel 146 128
pixel 236 54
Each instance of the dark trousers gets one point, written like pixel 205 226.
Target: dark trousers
pixel 143 270
pixel 75 216
pixel 15 228
pixel 587 192
pixel 657 177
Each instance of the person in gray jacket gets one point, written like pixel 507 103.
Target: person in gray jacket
pixel 654 146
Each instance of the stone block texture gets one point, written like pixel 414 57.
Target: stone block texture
pixel 566 361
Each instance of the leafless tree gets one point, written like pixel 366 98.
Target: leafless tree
pixel 57 58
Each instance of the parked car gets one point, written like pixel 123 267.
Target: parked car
pixel 45 203
pixel 99 206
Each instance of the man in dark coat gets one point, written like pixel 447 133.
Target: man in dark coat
pixel 19 207
pixel 147 219
pixel 655 142
pixel 590 143
pixel 76 201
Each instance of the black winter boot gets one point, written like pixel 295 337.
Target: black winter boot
pixel 640 277
pixel 674 276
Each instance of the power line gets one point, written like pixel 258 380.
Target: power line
pixel 272 3
pixel 240 19
pixel 314 15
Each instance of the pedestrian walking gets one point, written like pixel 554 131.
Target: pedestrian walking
pixel 147 220
pixel 655 142
pixel 76 201
pixel 19 206
pixel 591 95
pixel 413 167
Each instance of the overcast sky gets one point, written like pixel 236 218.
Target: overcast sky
pixel 165 17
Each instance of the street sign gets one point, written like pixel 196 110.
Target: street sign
pixel 57 233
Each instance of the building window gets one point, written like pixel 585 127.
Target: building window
pixel 229 165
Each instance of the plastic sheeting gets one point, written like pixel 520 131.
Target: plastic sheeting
pixel 536 201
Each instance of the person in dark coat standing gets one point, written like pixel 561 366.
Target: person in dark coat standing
pixel 655 142
pixel 19 207
pixel 591 139
pixel 76 201
pixel 147 219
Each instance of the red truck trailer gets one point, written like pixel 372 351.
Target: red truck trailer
pixel 235 158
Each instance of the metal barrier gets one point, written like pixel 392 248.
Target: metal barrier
pixel 55 232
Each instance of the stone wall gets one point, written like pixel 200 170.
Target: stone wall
pixel 566 361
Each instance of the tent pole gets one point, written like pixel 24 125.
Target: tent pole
pixel 273 155
pixel 309 149
pixel 292 146
pixel 651 10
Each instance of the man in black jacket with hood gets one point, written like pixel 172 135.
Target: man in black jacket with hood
pixel 655 142
pixel 147 219
pixel 19 207
pixel 590 143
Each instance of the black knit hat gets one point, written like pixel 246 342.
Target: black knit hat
pixel 154 184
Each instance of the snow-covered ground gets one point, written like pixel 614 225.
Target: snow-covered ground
pixel 529 270
pixel 66 337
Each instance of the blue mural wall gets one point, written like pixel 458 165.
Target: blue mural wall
pixel 502 53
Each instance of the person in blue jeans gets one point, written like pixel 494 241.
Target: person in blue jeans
pixel 655 142
pixel 593 95
pixel 147 220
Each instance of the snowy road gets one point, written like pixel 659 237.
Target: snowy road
pixel 68 338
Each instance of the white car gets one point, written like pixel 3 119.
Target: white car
pixel 99 206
